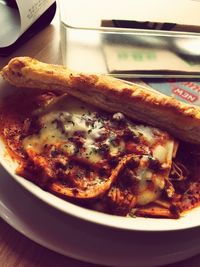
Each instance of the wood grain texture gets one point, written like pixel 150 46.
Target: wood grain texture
pixel 15 249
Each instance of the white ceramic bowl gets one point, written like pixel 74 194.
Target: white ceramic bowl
pixel 114 240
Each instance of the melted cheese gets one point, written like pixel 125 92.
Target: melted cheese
pixel 72 118
pixel 146 131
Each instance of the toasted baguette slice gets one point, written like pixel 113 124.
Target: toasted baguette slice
pixel 180 119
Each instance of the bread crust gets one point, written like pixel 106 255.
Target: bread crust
pixel 180 119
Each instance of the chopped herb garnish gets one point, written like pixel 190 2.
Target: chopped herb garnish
pixel 102 126
pixel 132 214
pixel 78 175
pixel 71 122
pixel 94 150
pixel 112 140
pixel 150 157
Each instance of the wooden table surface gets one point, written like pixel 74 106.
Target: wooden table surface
pixel 16 249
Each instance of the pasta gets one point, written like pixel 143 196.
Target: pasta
pixel 100 160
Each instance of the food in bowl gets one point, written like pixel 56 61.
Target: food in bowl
pixel 114 156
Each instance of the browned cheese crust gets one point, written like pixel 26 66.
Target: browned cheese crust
pixel 180 119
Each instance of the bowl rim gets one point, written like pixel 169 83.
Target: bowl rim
pixel 187 221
